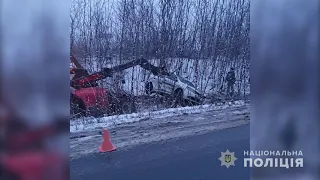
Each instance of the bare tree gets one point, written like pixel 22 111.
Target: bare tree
pixel 197 39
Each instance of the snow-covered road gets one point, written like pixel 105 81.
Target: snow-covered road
pixel 148 130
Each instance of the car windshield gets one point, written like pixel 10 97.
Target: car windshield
pixel 186 82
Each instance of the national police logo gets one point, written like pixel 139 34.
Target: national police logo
pixel 227 158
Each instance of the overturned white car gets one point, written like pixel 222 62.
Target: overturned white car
pixel 182 91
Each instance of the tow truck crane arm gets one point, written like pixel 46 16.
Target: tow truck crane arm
pixel 74 61
pixel 142 63
pixel 90 80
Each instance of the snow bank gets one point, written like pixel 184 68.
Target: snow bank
pixel 86 124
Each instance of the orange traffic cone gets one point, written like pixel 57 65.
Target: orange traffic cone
pixel 106 145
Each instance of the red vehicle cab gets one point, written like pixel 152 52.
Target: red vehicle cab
pixel 87 99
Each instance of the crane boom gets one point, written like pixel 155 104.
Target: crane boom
pixel 90 80
pixel 75 61
pixel 143 63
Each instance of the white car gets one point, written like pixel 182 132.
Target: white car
pixel 175 86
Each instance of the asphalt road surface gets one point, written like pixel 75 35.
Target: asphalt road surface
pixel 189 158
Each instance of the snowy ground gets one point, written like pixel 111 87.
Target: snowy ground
pixel 87 124
pixel 125 135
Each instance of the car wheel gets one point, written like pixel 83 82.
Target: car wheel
pixel 149 88
pixel 128 107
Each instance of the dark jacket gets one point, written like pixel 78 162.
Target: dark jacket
pixel 231 77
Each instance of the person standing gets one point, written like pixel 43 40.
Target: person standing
pixel 231 79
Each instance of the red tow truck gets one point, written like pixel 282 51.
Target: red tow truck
pixel 88 99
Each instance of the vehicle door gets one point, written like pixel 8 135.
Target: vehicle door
pixel 169 82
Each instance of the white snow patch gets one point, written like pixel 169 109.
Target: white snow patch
pixel 80 125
